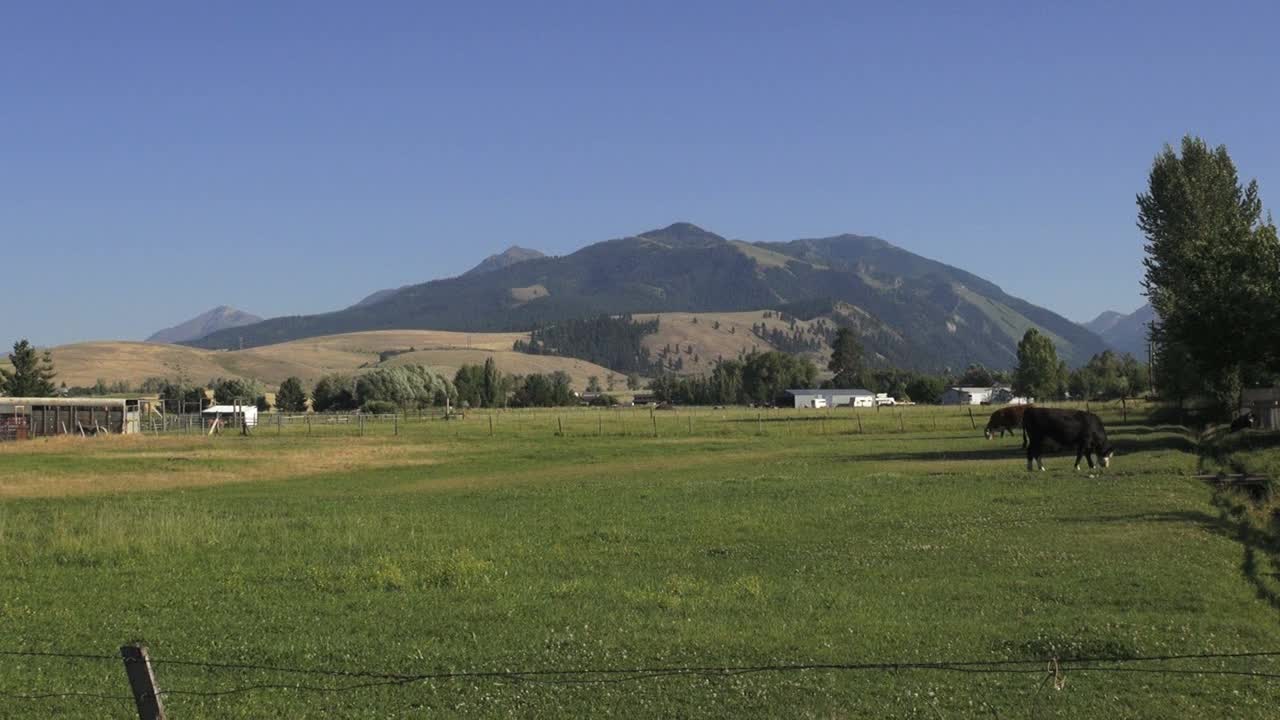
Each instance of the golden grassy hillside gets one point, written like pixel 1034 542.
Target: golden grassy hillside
pixel 732 337
pixel 85 363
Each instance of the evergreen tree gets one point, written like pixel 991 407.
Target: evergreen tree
pixel 593 384
pixel 1038 373
pixel 32 375
pixel 846 359
pixel 291 397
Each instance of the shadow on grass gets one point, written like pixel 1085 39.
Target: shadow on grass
pixel 994 450
pixel 1253 542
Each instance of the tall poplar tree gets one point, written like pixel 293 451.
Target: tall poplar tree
pixel 1039 373
pixel 1212 265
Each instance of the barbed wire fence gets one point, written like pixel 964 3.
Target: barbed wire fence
pixel 147 695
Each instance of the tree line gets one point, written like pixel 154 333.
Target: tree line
pixel 614 342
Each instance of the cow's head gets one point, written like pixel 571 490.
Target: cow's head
pixel 1105 455
pixel 988 432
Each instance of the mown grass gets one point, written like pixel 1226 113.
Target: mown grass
pixel 753 539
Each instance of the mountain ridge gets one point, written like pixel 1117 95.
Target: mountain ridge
pixel 222 317
pixel 910 310
pixel 1126 333
pixel 497 261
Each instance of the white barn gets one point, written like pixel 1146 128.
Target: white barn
pixel 996 395
pixel 856 397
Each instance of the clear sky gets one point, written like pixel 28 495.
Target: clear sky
pixel 158 159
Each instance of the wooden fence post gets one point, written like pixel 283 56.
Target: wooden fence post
pixel 397 424
pixel 560 425
pixel 858 415
pixel 490 424
pixel 901 427
pixel 142 681
pixel 654 419
pixel 972 422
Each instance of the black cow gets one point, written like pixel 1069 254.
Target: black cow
pixel 1242 422
pixel 1069 428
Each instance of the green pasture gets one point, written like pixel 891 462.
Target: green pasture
pixel 579 540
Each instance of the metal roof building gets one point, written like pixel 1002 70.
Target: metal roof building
pixel 856 397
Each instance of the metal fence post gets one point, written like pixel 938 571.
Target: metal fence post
pixel 142 681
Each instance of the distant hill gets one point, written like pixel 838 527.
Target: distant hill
pixel 378 296
pixel 1125 333
pixel 506 258
pixel 86 363
pixel 909 310
pixel 219 318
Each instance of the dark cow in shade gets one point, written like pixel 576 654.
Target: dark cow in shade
pixel 1068 428
pixel 1242 422
pixel 1007 420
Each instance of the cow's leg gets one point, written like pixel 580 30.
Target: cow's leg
pixel 1088 455
pixel 1024 438
pixel 1034 452
pixel 1080 454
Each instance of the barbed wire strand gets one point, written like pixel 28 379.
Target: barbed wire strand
pixel 585 676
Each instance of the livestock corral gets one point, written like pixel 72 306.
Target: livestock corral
pixel 635 563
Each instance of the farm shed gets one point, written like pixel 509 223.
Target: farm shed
pixel 831 398
pixel 231 415
pixel 22 418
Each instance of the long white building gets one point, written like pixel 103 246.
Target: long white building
pixel 856 397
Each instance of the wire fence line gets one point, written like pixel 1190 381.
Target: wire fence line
pixel 1051 669
pixel 640 421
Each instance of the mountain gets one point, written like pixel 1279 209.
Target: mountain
pixel 1106 320
pixel 219 318
pixel 909 310
pixel 378 296
pixel 506 258
pixel 1125 333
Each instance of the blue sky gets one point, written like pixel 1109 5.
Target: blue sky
pixel 158 159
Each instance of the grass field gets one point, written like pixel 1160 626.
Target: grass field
pixel 577 540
